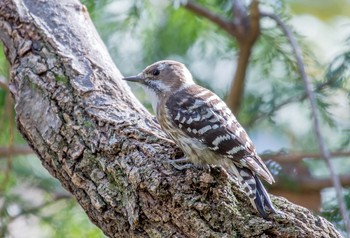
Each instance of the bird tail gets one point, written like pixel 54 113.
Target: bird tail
pixel 255 190
pixel 262 199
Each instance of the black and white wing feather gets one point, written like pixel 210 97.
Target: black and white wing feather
pixel 201 114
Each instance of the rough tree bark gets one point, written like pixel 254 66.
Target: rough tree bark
pixel 92 134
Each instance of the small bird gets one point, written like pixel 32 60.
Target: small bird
pixel 203 126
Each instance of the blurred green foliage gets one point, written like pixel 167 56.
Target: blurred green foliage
pixel 323 9
pixel 138 33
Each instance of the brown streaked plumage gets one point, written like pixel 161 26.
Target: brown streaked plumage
pixel 204 127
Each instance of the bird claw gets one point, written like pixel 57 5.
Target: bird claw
pixel 175 163
pixel 280 213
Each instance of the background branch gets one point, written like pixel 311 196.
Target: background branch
pixel 14 151
pixel 246 30
pixel 295 157
pixel 36 209
pixel 199 10
pixel 248 33
pixel 314 111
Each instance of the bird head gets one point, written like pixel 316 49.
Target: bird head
pixel 163 77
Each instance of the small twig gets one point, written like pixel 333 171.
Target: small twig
pixel 297 157
pixel 216 19
pixel 314 112
pixel 38 208
pixel 17 150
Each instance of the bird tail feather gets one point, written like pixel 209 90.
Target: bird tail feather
pixel 262 199
pixel 255 190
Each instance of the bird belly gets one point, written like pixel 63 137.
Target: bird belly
pixel 195 150
pixel 199 153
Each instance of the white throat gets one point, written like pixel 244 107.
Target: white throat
pixel 152 96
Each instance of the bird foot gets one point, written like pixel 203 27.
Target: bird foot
pixel 176 163
pixel 280 213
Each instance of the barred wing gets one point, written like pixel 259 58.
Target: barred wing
pixel 201 114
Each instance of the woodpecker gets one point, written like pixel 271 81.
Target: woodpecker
pixel 203 126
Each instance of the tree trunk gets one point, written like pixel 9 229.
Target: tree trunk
pixel 94 136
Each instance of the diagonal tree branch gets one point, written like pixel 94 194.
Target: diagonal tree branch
pixel 92 134
pixel 314 112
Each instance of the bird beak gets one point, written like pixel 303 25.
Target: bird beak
pixel 138 78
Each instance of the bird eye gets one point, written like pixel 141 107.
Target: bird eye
pixel 156 72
